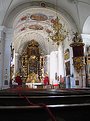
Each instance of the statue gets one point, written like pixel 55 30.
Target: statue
pixel 32 78
pixel 77 37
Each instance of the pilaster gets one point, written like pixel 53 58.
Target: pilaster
pixel 61 60
pixel 7 57
pixel 2 43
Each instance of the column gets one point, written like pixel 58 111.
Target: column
pixel 61 60
pixel 1 55
pixel 53 65
pixel 16 57
pixel 47 64
pixel 7 57
pixel 86 72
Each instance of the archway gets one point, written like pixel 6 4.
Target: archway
pixel 35 24
pixel 86 28
pixel 86 39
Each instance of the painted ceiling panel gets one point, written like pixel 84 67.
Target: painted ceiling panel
pixel 67 5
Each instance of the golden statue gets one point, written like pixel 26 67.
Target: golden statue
pixel 32 78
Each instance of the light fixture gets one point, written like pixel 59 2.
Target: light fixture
pixel 59 33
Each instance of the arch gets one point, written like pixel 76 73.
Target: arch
pixel 21 38
pixel 28 36
pixel 13 16
pixel 23 35
pixel 86 28
pixel 13 13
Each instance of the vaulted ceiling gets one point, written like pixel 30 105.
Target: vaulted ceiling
pixel 68 5
pixel 77 10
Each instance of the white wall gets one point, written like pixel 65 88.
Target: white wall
pixel 7 56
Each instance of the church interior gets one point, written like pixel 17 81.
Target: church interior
pixel 44 60
pixel 41 38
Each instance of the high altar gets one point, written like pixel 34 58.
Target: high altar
pixel 31 63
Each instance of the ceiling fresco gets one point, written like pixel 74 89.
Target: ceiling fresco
pixel 38 21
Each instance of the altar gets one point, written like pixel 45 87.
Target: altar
pixel 31 62
pixel 34 85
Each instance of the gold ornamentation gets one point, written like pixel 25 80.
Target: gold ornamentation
pixel 78 52
pixel 59 33
pixel 78 63
pixel 67 54
pixel 32 78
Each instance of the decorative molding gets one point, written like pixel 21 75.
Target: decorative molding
pixel 19 9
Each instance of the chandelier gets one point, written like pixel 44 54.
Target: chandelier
pixel 59 33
